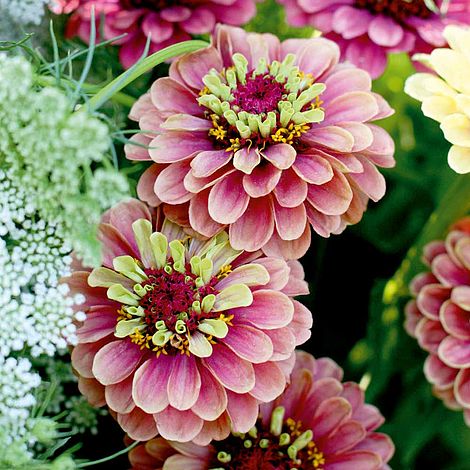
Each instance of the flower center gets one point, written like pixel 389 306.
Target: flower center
pixel 270 104
pixel 284 446
pixel 400 10
pixel 170 307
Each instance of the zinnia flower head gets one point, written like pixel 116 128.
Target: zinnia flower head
pixel 264 138
pixel 165 21
pixel 317 423
pixel 184 337
pixel 368 30
pixel 439 317
pixel 446 97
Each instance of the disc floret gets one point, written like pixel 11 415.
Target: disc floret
pixel 273 103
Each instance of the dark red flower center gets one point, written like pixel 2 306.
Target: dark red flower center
pixel 260 94
pixel 171 295
pixel 400 10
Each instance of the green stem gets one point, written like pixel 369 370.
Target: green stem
pixel 142 67
pixel 454 205
pixel 110 457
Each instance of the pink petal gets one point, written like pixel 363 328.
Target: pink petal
pixel 323 224
pixel 291 249
pixel 455 352
pixel 153 25
pixel 212 399
pixel 178 462
pixel 169 185
pixel 429 334
pixel 150 384
pixel 281 156
pixel 296 284
pixel 326 367
pixel 317 56
pixel 193 67
pixel 461 296
pixel 145 186
pixel 83 356
pixel 138 425
pixel 262 180
pixel 361 133
pixel 175 146
pixel 329 415
pixel 199 217
pixel 351 22
pixel 98 325
pixel 455 320
pixel 186 122
pixel 270 382
pixel 333 137
pixel 345 80
pixel 290 190
pixel 355 106
pixel 431 298
pixel 385 31
pixel 119 396
pixel 290 222
pixel 169 95
pixel 325 388
pixel 448 272
pixel 227 199
pixel 218 429
pixel 370 181
pixel 114 244
pixel 116 361
pixel 355 460
pixel 301 323
pixel 175 425
pixel 253 230
pixel 332 198
pixel 202 21
pixel 379 443
pixel 136 148
pixel 346 436
pixel 283 343
pixel 438 373
pixel 184 383
pixel 206 163
pixel 260 312
pixel 249 343
pixel 278 272
pixel 232 372
pixel 242 410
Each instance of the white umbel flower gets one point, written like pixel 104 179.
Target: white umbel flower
pixel 24 11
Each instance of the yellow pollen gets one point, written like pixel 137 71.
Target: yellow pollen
pixel 227 319
pixel 122 315
pixel 204 91
pixel 138 338
pixel 224 271
pixel 234 145
pixel 287 135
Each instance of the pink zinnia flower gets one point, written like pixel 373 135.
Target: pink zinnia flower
pixel 368 30
pixel 166 21
pixel 184 337
pixel 263 138
pixel 439 317
pixel 317 423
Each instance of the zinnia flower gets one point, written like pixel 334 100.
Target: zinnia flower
pixel 439 317
pixel 165 21
pixel 184 337
pixel 446 98
pixel 317 423
pixel 368 30
pixel 264 138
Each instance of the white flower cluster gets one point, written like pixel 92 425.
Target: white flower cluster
pixel 23 11
pixel 33 256
pixel 49 150
pixel 17 386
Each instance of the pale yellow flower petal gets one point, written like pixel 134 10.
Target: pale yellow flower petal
pixel 458 39
pixel 459 159
pixel 126 327
pixel 415 86
pixel 214 327
pixel 439 107
pixel 128 266
pixel 456 129
pixel 237 295
pixel 453 67
pixel 142 229
pixel 199 345
pixel 159 244
pixel 104 277
pixel 120 294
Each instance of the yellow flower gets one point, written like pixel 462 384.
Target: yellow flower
pixel 445 97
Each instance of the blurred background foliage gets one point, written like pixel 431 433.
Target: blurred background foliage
pixel 358 290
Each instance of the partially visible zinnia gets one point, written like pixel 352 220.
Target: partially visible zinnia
pixel 318 423
pixel 439 317
pixel 368 30
pixel 446 97
pixel 184 337
pixel 265 139
pixel 165 21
